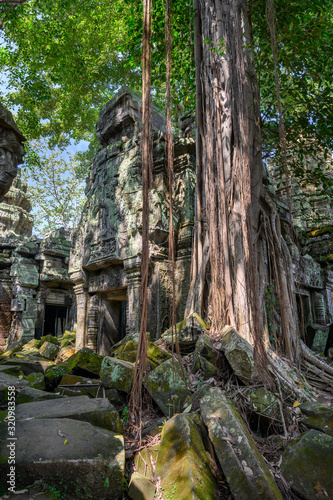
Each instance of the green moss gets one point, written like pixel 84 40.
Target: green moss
pixel 318 232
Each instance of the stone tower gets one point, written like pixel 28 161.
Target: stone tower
pixel 106 249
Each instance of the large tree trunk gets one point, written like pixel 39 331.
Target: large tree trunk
pixel 229 170
pixel 231 161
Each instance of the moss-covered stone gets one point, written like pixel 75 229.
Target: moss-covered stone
pixel 117 374
pixel 239 354
pixel 182 462
pixel 11 350
pixel 205 357
pixel 54 374
pixel 32 345
pixel 80 461
pixel 49 338
pixel 99 411
pixel 307 464
pixel 244 467
pixel 85 362
pixel 30 395
pixel 68 338
pixel 168 387
pixel 36 381
pixel 141 488
pixel 49 350
pixel 204 347
pixel 318 416
pixel 187 330
pixel 144 459
pixel 127 348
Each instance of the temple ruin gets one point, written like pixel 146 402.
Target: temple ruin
pixel 92 277
pixel 36 294
pixel 106 248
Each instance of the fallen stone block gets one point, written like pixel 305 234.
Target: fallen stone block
pixel 49 338
pixel 53 375
pixel 10 380
pixel 30 395
pixel 244 467
pixel 318 416
pixel 99 412
pixel 64 354
pixel 36 381
pixel 11 350
pixel 307 464
pixel 24 365
pixel 140 488
pixel 76 458
pixel 117 374
pixel 85 362
pixel 239 354
pixel 127 348
pixel 49 350
pixel 168 387
pixel 183 463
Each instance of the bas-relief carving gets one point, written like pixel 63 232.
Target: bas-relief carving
pixel 313 222
pixel 11 149
pixel 107 245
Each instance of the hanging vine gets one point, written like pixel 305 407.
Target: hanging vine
pixel 147 148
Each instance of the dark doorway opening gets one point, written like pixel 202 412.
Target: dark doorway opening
pixel 113 327
pixel 55 320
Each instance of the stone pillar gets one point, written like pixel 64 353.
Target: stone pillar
pixel 93 322
pixel 81 307
pixel 133 299
pixel 320 308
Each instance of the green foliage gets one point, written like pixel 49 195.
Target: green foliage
pixel 124 415
pixel 62 62
pixel 55 186
pixel 64 59
pixel 304 32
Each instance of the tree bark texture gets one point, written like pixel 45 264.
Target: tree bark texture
pixel 147 156
pixel 231 161
pixel 229 202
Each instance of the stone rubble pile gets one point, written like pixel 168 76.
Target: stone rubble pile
pixel 71 419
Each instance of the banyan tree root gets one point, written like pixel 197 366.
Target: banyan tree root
pixel 294 386
pixel 317 371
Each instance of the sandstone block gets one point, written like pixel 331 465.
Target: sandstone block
pixel 117 374
pixel 78 459
pixel 307 464
pixel 182 462
pixel 99 412
pixel 244 467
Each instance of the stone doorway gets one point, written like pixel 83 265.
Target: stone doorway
pixel 113 324
pixel 55 320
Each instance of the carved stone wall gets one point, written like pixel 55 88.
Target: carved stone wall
pixel 36 295
pixel 11 149
pixel 312 255
pixel 106 249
